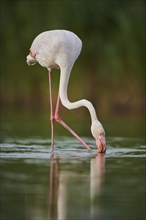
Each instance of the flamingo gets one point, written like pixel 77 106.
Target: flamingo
pixel 60 49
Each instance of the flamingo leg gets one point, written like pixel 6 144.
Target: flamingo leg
pixel 51 109
pixel 59 120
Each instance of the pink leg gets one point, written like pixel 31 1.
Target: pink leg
pixel 58 119
pixel 51 109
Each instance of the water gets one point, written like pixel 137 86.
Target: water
pixel 72 184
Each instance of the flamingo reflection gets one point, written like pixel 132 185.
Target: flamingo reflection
pixel 58 188
pixel 97 169
pixel 53 187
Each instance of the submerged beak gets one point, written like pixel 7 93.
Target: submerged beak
pixel 101 144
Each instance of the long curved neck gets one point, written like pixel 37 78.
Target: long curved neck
pixel 64 78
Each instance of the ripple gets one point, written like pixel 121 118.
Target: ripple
pixel 69 148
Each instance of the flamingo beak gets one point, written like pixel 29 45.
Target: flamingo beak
pixel 101 144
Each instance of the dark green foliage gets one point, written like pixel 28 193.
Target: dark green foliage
pixel 113 55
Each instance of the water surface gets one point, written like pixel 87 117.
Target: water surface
pixel 72 184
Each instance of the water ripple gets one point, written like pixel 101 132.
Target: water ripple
pixel 66 148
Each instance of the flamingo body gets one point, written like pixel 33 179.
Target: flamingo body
pixel 60 49
pixel 56 48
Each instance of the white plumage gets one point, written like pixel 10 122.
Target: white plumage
pixel 60 49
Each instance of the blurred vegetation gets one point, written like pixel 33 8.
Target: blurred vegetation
pixel 110 71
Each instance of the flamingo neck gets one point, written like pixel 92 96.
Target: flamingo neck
pixel 64 78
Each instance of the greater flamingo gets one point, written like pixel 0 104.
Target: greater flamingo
pixel 60 49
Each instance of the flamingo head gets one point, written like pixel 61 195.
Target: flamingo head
pixel 99 135
pixel 31 59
